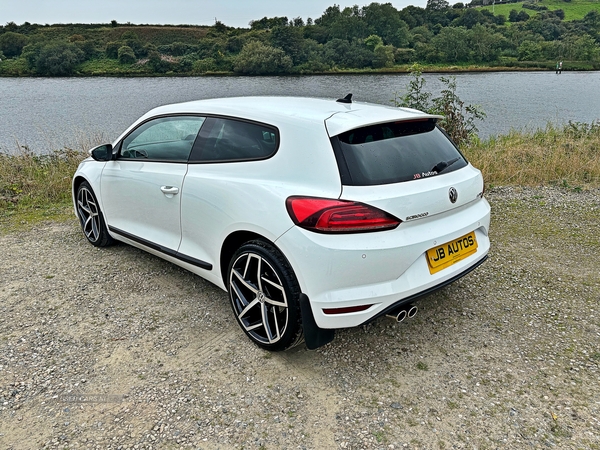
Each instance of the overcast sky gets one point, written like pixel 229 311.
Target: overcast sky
pixel 233 13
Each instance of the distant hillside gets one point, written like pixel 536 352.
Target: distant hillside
pixel 375 38
pixel 574 9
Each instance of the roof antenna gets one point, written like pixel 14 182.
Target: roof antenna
pixel 346 99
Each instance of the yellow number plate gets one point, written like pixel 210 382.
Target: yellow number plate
pixel 442 256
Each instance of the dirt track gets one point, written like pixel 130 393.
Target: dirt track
pixel 115 348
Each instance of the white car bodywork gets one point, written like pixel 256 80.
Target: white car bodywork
pixel 186 213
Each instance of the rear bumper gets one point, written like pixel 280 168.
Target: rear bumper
pixel 426 292
pixel 373 273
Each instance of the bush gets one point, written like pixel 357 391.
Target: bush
pixel 384 56
pixel 112 49
pixel 257 58
pixel 126 55
pixel 205 65
pixel 158 63
pixel 11 44
pixel 459 120
pixel 404 55
pixel 58 59
pixel 534 6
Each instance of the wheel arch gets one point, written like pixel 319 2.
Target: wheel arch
pixel 230 245
pixel 77 180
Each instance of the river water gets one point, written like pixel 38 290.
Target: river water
pixel 51 113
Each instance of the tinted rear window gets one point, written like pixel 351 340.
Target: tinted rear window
pixel 395 152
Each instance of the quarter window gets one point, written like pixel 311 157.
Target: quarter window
pixel 163 139
pixel 223 140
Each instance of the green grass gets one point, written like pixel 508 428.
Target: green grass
pixel 35 188
pixel 574 10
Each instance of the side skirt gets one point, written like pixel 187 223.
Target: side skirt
pixel 159 248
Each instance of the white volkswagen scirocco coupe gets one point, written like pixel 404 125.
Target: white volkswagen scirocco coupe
pixel 312 214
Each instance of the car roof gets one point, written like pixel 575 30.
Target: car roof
pixel 283 111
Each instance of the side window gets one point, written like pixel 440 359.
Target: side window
pixel 234 140
pixel 163 139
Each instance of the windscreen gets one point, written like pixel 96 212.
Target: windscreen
pixel 395 152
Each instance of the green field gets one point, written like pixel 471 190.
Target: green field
pixel 574 10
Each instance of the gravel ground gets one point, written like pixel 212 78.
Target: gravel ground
pixel 114 348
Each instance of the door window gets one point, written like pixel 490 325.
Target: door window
pixel 163 139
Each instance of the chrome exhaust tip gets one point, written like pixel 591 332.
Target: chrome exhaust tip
pixel 399 317
pixel 401 314
pixel 412 311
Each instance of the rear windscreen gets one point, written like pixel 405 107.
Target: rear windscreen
pixel 395 152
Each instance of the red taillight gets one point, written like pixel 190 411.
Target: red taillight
pixel 338 216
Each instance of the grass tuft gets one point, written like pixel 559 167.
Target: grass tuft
pixel 567 156
pixel 36 187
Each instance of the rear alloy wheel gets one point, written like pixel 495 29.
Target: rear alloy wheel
pixel 90 217
pixel 264 296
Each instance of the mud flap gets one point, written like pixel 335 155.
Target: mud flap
pixel 314 337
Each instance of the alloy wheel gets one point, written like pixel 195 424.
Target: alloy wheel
pixel 258 297
pixel 87 209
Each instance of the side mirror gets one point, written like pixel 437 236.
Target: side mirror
pixel 102 152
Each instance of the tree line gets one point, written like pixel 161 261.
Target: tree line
pixel 373 37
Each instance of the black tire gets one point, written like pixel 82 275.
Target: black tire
pixel 266 306
pixel 90 217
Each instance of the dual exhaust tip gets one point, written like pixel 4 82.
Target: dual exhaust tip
pixel 399 315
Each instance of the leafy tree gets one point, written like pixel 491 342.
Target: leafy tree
pixel 267 23
pixel 485 44
pixel 414 16
pixel 530 51
pixel 291 41
pixel 469 18
pixel 420 34
pixel 317 33
pixel 112 50
pixel 437 5
pixel 257 58
pixel 384 56
pixel 373 41
pixel 582 48
pixel 159 64
pixel 452 44
pixel 58 59
pixel 384 20
pixel 345 54
pixel 349 25
pixel 126 55
pixel 11 43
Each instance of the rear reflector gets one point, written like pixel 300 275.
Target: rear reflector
pixel 338 216
pixel 346 310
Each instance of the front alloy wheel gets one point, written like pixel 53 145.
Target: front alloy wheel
pixel 264 295
pixel 90 217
